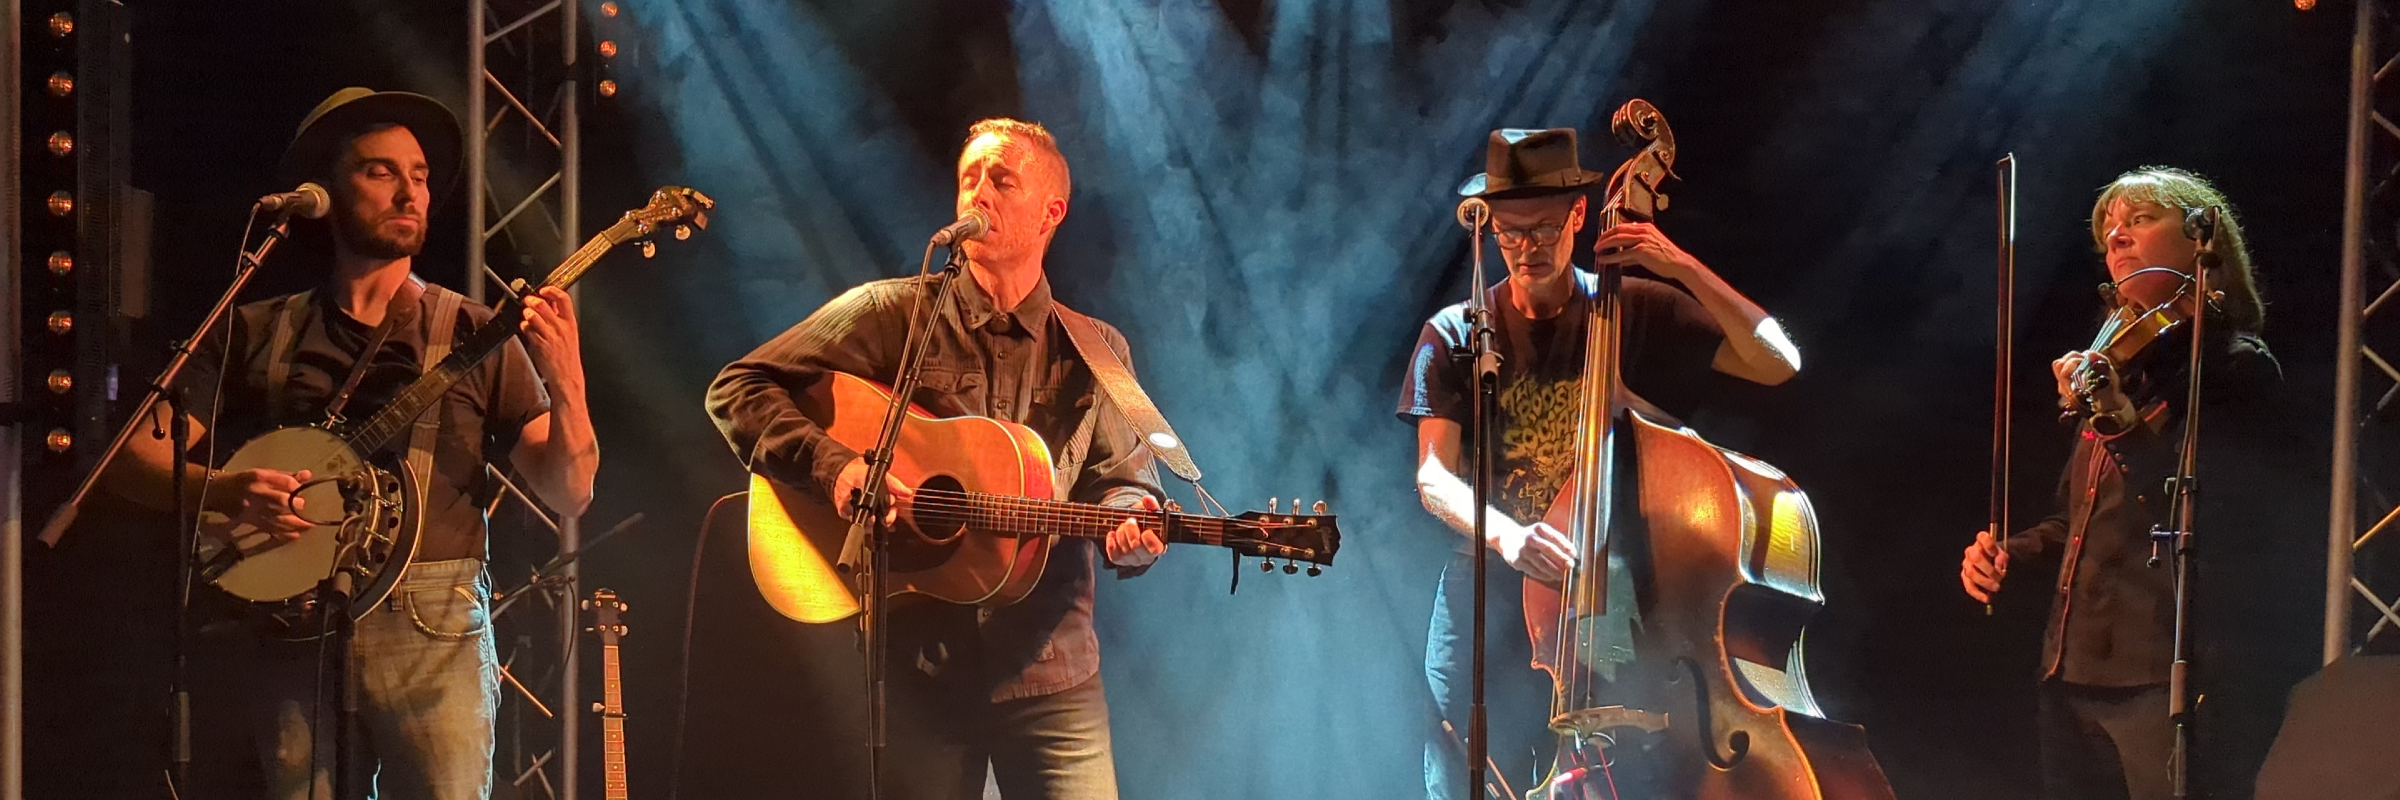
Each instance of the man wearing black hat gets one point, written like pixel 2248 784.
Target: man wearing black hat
pixel 1536 188
pixel 423 662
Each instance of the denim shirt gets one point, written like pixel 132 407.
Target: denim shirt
pixel 1016 365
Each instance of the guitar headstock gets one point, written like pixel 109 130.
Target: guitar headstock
pixel 607 616
pixel 681 208
pixel 1295 537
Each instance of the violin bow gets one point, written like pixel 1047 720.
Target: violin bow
pixel 2004 360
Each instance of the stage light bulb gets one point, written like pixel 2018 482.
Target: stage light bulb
pixel 60 381
pixel 62 144
pixel 62 322
pixel 59 440
pixel 608 10
pixel 60 203
pixel 608 88
pixel 62 25
pixel 61 84
pixel 61 263
pixel 608 48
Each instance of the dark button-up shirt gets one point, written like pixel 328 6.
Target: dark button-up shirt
pixel 1015 364
pixel 2112 614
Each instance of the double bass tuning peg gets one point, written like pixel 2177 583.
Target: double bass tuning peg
pixel 649 249
pixel 1272 508
pixel 1318 508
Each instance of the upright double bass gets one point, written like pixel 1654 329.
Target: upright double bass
pixel 1724 551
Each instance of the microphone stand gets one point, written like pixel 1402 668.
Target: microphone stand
pixel 1474 213
pixel 2183 510
pixel 868 541
pixel 166 387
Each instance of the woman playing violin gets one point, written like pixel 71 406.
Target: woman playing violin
pixel 2106 655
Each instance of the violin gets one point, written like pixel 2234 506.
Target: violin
pixel 1714 701
pixel 2136 320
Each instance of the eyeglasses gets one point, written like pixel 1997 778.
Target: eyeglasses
pixel 1543 236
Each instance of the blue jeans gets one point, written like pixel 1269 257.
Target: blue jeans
pixel 1053 746
pixel 426 679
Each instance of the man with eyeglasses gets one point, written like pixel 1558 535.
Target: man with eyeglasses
pixel 1671 335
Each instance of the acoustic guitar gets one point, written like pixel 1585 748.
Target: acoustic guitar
pixel 981 527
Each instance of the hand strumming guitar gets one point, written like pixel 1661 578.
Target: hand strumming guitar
pixel 265 499
pixel 846 489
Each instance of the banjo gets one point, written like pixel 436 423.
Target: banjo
pixel 380 499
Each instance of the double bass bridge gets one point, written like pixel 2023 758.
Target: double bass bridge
pixel 1587 724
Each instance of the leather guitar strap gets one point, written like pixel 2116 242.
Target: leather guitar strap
pixel 1116 381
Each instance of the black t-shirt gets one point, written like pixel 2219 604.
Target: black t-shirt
pixel 1668 339
pixel 480 416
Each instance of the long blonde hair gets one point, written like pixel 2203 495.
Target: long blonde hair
pixel 2183 191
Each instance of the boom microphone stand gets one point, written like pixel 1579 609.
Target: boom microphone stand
pixel 2182 508
pixel 1474 213
pixel 165 387
pixel 868 542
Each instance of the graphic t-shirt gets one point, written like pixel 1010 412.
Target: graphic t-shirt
pixel 1668 339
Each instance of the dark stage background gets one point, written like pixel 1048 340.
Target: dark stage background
pixel 1263 204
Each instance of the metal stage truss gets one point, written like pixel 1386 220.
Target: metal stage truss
pixel 2365 501
pixel 523 172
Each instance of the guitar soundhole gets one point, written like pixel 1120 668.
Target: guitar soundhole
pixel 938 519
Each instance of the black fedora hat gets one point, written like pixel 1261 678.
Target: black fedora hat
pixel 1529 163
pixel 352 110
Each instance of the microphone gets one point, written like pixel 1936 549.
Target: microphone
pixel 967 227
pixel 309 201
pixel 2200 225
pixel 1472 212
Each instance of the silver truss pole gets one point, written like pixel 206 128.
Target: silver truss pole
pixel 476 135
pixel 566 132
pixel 2342 514
pixel 570 527
pixel 12 523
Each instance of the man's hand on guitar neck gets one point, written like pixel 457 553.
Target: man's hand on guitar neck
pixel 1133 546
pixel 847 488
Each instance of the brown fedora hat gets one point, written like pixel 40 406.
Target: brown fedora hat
pixel 1529 163
pixel 354 109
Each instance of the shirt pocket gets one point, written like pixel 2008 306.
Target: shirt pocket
pixel 955 390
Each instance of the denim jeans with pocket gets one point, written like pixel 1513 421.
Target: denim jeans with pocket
pixel 425 676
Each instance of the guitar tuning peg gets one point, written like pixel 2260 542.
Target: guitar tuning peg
pixel 1314 570
pixel 649 249
pixel 584 604
pixel 1290 568
pixel 1319 508
pixel 1271 507
pixel 1266 565
pixel 683 232
pixel 598 708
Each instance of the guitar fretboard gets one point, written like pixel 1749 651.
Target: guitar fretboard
pixel 612 726
pixel 381 430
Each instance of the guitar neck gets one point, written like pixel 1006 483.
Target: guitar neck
pixel 381 430
pixel 1031 517
pixel 612 726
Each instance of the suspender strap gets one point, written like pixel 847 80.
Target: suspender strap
pixel 279 349
pixel 441 326
pixel 1116 381
pixel 401 310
